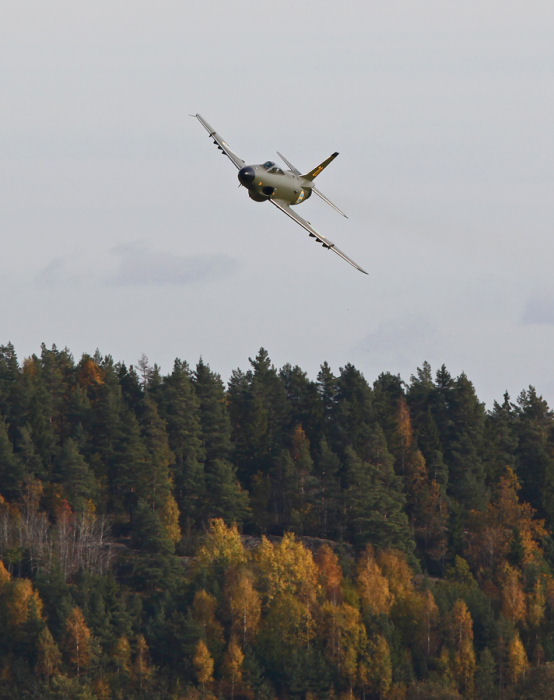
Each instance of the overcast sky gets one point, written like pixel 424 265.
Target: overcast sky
pixel 123 228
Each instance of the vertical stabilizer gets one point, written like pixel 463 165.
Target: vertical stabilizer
pixel 315 172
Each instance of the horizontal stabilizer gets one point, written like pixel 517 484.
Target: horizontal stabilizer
pixel 328 201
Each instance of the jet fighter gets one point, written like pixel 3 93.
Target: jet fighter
pixel 283 188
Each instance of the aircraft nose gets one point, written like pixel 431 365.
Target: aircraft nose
pixel 246 175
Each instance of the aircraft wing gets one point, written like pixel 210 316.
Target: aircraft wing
pixel 293 168
pixel 325 242
pixel 220 143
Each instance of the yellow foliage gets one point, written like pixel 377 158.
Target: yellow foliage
pixel 121 654
pixel 244 604
pixel 517 659
pixel 462 660
pixel 77 642
pixel 287 568
pixel 22 601
pixel 345 637
pixel 203 612
pixel 232 665
pixel 397 570
pixel 203 663
pixel 170 519
pixel 30 366
pixel 373 586
pixel 512 594
pixel 142 668
pixel 376 669
pixel 222 547
pixel 5 575
pixel 289 622
pixel 48 654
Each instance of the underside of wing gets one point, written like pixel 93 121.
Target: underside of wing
pixel 220 142
pixel 325 242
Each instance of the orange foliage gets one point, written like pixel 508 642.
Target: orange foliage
pixel 491 532
pixel 90 374
pixel 397 570
pixel 5 575
pixel 330 572
pixel 77 641
pixel 405 424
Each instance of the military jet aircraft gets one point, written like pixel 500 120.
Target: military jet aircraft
pixel 268 182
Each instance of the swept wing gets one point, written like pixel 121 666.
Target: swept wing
pixel 325 242
pixel 220 142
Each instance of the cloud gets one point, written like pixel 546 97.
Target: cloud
pixel 539 310
pixel 400 340
pixel 136 265
pixel 139 266
pixel 57 272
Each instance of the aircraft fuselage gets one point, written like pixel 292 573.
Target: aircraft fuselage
pixel 268 181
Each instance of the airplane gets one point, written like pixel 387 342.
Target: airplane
pixel 268 182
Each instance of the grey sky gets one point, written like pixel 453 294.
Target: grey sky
pixel 123 228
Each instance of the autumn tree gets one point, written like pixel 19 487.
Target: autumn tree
pixel 48 654
pixel 77 641
pixel 203 664
pixel 330 573
pixel 142 668
pixel 232 666
pixel 517 659
pixel 462 653
pixel 243 604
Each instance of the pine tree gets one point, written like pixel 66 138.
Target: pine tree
pixel 76 476
pixel 180 408
pixel 214 418
pixel 374 499
pixel 11 469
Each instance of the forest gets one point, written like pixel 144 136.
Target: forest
pixel 276 537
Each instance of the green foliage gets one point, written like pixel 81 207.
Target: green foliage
pixel 157 533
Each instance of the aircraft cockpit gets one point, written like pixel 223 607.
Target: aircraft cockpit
pixel 272 168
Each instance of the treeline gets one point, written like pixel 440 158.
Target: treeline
pixel 395 536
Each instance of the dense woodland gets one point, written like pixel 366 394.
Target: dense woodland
pixel 167 536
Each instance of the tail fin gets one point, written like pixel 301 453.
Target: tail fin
pixel 315 172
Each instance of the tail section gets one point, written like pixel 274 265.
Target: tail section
pixel 315 172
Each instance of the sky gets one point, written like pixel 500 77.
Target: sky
pixel 123 229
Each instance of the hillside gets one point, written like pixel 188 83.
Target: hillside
pixel 167 536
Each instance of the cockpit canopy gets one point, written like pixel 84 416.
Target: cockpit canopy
pixel 272 168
